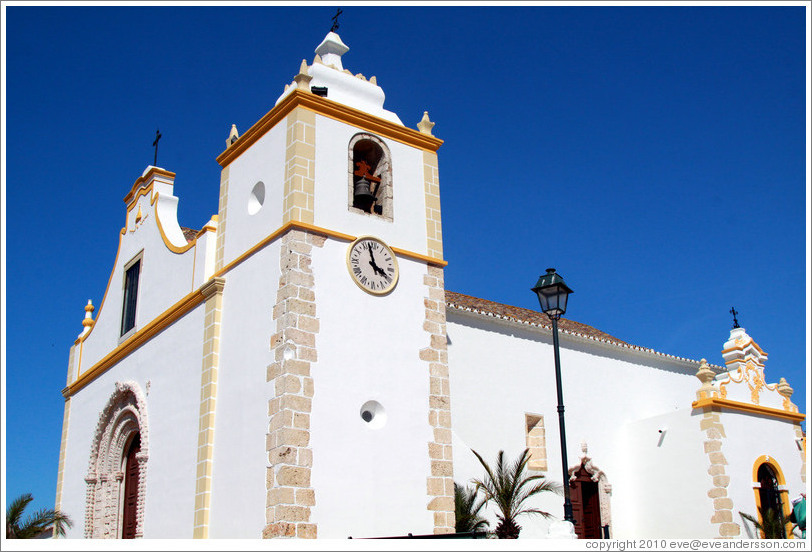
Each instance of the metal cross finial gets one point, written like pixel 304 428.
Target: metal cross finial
pixel 155 143
pixel 334 28
pixel 734 312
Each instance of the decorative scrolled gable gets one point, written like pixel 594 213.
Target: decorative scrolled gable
pixel 743 387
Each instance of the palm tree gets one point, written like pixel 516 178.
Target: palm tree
pixel 773 524
pixel 508 487
pixel 467 508
pixel 35 524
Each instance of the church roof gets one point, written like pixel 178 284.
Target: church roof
pixel 189 233
pixel 467 303
pixel 461 301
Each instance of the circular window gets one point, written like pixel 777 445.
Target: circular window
pixel 257 198
pixel 373 414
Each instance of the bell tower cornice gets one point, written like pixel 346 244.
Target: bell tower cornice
pixel 334 110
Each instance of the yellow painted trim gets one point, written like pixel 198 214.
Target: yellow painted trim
pixel 784 493
pixel 749 408
pixel 334 110
pixel 167 243
pixel 101 305
pixel 325 232
pixel 140 337
pixel 194 298
pixel 743 347
pixel 154 171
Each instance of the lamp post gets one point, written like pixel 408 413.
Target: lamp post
pixel 553 293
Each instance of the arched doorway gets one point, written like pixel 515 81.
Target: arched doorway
pixel 590 494
pixel 116 476
pixel 770 490
pixel 130 501
pixel 585 505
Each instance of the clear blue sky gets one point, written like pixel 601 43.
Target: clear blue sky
pixel 656 156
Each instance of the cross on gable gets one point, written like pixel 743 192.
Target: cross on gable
pixel 155 143
pixel 734 312
pixel 334 28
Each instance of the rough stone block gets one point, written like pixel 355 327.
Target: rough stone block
pixel 294 437
pixel 279 529
pixel 301 420
pixel 295 402
pixel 280 495
pixel 722 504
pixel 442 435
pixel 305 497
pixel 429 354
pixel 439 402
pixel 293 477
pixel 721 480
pixel 435 486
pixel 306 531
pixel 713 446
pixel 435 451
pixel 442 503
pixel 722 516
pixel 716 470
pixel 297 367
pixel 292 513
pixel 439 342
pixel 717 458
pixel 283 455
pixel 729 529
pixel 442 468
pixel 717 492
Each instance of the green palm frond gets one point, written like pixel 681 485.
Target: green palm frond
pixel 773 524
pixel 35 524
pixel 508 487
pixel 467 507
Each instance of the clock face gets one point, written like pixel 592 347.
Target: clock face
pixel 372 265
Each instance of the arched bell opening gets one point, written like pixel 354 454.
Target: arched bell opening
pixel 370 176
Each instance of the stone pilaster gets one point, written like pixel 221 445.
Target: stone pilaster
pixel 213 291
pixel 440 483
pixel 431 186
pixel 714 431
pixel 290 494
pixel 221 219
pixel 300 167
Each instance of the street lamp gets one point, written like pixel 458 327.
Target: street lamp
pixel 553 293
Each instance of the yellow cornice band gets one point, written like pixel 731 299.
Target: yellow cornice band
pixel 140 337
pixel 325 232
pixel 743 347
pixel 331 109
pixel 152 172
pixel 749 408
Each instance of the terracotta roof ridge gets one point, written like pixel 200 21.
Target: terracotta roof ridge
pixel 487 307
pixel 189 233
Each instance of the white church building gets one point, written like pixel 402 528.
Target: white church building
pixel 296 367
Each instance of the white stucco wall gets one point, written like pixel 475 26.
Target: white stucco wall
pixel 407 230
pixel 171 363
pixel 500 371
pixel 264 161
pixel 241 423
pixel 664 478
pixel 748 437
pixel 369 482
pixel 164 279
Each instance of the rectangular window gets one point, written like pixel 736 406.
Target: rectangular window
pixel 536 441
pixel 130 297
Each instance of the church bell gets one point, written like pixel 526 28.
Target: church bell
pixel 362 196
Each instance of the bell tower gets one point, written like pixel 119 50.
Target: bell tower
pixel 342 203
